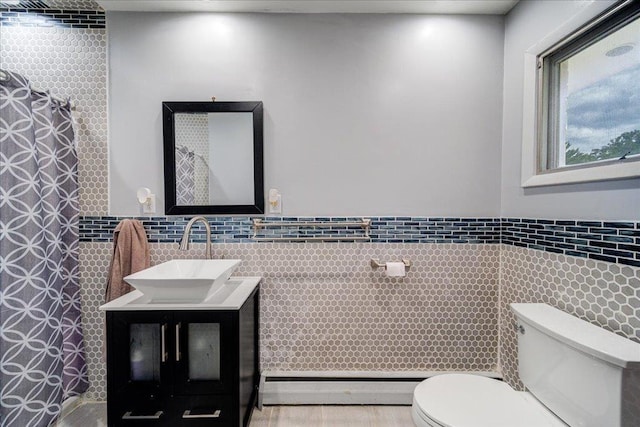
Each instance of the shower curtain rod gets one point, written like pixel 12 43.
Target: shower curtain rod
pixel 72 105
pixel 180 146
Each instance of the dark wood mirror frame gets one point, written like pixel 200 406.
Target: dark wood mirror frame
pixel 169 109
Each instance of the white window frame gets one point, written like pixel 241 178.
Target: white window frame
pixel 531 150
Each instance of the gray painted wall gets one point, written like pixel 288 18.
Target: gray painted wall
pixel 527 24
pixel 364 114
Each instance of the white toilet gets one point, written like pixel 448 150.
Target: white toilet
pixel 577 375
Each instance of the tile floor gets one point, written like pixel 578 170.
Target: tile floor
pixel 95 415
pixel 85 415
pixel 332 416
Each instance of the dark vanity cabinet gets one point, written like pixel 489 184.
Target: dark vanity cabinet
pixel 182 367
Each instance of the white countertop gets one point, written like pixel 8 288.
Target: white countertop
pixel 230 296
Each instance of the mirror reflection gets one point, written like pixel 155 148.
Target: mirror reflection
pixel 204 145
pixel 213 157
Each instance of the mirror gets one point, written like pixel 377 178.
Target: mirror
pixel 213 159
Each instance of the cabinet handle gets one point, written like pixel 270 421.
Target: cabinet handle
pixel 163 344
pixel 178 325
pixel 187 414
pixel 128 416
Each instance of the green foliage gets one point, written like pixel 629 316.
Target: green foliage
pixel 627 143
pixel 573 156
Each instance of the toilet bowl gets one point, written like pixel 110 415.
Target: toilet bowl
pixel 576 375
pixel 464 400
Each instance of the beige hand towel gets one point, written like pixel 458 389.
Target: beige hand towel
pixel 130 255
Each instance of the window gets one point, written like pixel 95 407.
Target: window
pixel 588 101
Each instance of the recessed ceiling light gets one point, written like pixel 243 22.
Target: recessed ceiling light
pixel 620 50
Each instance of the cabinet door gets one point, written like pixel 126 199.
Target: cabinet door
pixel 139 361
pixel 206 352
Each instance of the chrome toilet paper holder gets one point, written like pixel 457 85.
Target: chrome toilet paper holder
pixel 376 264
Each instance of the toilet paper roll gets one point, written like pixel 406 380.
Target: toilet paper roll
pixel 395 269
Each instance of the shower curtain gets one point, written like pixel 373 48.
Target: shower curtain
pixel 42 358
pixel 185 176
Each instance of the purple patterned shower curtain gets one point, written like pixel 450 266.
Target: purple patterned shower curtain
pixel 42 359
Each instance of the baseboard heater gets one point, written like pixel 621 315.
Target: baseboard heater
pixel 342 388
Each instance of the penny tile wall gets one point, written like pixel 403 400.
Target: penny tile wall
pixel 71 63
pixel 603 293
pixel 323 307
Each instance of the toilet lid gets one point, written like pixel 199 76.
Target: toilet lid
pixel 463 400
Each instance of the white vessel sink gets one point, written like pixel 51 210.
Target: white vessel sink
pixel 183 280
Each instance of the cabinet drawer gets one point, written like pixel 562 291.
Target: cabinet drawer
pixel 142 411
pixel 193 411
pixel 196 411
pixel 141 418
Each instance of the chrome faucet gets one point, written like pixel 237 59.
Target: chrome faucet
pixel 184 241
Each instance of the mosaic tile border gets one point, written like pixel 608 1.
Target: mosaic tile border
pixel 24 4
pixel 61 18
pixel 163 229
pixel 616 242
pixel 56 4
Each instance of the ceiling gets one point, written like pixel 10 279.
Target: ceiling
pixel 484 7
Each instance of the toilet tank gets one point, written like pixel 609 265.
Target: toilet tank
pixel 587 376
